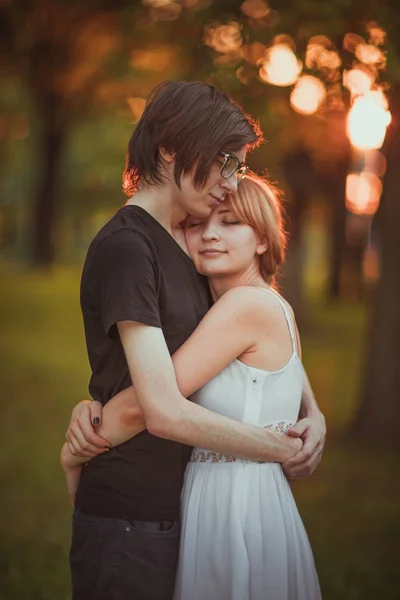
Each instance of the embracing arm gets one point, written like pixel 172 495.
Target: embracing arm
pixel 311 428
pixel 309 406
pixel 228 329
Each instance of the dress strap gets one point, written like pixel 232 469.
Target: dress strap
pixel 287 316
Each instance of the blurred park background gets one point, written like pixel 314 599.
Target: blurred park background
pixel 323 79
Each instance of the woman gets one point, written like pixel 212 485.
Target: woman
pixel 242 537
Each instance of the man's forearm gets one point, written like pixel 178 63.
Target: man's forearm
pixel 195 426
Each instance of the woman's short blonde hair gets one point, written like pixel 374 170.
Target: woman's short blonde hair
pixel 258 203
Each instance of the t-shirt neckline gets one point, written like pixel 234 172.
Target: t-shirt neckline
pixel 158 224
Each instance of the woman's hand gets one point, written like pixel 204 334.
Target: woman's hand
pixel 82 438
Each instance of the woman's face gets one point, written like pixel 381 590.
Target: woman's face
pixel 222 244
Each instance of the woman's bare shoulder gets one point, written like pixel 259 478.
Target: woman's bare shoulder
pixel 250 302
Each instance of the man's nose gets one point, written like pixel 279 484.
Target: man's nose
pixel 230 184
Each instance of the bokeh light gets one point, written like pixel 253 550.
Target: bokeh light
pixel 307 95
pixel 377 35
pixel 281 67
pixel 255 9
pixel 164 10
pixel 363 192
pixel 370 55
pixel 253 52
pixel 368 120
pixel 321 54
pixel 224 38
pixel 358 81
pixel 351 41
pixel 375 162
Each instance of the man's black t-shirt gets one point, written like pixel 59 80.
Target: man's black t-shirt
pixel 135 271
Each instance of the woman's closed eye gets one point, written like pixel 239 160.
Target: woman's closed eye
pixel 231 222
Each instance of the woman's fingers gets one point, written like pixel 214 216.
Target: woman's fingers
pixel 82 437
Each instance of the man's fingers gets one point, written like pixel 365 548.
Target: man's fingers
pixel 304 463
pixel 301 457
pixel 299 429
pixel 307 454
pixel 294 433
pixel 303 470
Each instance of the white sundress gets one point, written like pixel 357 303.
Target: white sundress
pixel 242 536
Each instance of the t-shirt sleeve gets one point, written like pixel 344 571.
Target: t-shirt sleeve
pixel 128 273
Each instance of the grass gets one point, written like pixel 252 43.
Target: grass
pixel 349 506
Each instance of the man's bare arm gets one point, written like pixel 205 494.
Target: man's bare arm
pixel 169 415
pixel 311 428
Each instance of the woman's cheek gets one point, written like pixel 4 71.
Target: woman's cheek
pixel 190 246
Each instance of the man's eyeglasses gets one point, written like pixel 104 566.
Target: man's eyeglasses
pixel 233 165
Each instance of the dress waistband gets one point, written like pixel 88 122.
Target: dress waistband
pixel 209 456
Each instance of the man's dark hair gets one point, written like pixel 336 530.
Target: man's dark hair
pixel 193 121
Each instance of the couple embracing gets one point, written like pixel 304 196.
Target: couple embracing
pixel 180 470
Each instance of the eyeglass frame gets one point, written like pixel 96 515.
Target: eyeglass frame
pixel 227 157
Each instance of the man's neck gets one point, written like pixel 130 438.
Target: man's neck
pixel 160 204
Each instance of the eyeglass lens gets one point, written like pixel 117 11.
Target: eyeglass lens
pixel 231 166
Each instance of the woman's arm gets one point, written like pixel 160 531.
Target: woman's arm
pixel 232 326
pixel 72 467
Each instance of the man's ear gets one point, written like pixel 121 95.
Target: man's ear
pixel 166 156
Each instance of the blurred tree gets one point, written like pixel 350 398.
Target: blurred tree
pixel 60 51
pixel 379 412
pixel 343 22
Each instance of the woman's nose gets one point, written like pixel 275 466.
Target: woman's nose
pixel 210 232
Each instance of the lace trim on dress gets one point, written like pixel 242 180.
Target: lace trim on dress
pixel 209 456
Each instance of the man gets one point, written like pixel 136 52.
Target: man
pixel 141 299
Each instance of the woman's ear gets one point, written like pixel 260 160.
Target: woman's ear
pixel 262 247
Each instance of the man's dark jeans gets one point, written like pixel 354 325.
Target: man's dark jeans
pixel 114 559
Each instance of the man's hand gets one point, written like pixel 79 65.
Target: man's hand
pixel 81 435
pixel 312 430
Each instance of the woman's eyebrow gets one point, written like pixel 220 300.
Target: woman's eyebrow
pixel 224 211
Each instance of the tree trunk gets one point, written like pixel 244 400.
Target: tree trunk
pixel 337 193
pixel 300 175
pixel 379 412
pixel 46 198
